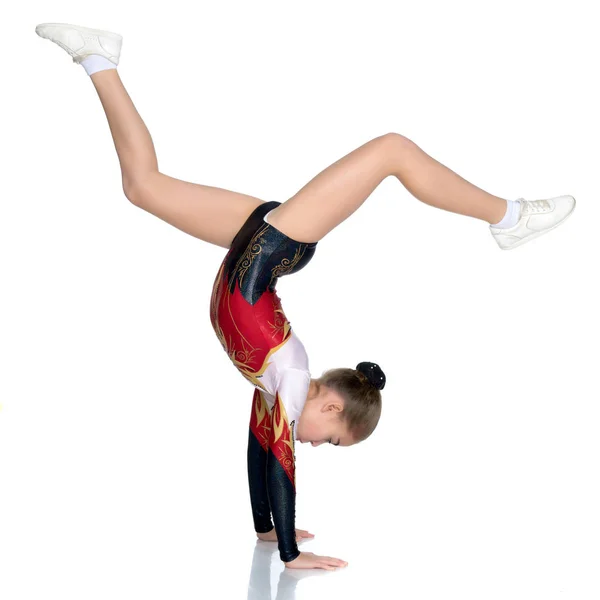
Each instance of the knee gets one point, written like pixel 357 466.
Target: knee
pixel 396 139
pixel 391 148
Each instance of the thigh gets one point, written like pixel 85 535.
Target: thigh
pixel 335 193
pixel 212 214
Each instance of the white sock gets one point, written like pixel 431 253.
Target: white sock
pixel 512 215
pixel 94 63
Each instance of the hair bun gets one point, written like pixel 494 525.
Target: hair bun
pixel 373 373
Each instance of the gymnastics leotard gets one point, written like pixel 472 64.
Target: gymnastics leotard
pixel 248 319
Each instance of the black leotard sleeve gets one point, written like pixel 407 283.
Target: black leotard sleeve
pixel 290 398
pixel 258 445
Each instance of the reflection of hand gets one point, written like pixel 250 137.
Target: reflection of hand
pixel 271 536
pixel 308 560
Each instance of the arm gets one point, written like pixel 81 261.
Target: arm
pixel 281 469
pixel 258 445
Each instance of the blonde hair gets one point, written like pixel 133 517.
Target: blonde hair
pixel 362 400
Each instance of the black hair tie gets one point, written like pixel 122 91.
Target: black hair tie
pixel 373 373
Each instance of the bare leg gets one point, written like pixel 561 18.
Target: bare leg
pixel 209 213
pixel 435 184
pixel 339 190
pixel 131 137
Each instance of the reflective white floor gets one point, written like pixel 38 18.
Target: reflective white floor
pixel 139 506
pixel 123 424
pixel 123 459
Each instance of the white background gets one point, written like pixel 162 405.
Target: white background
pixel 123 425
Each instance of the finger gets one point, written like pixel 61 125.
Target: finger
pixel 305 533
pixel 328 563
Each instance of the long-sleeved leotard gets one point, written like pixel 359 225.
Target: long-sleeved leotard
pixel 271 459
pixel 249 321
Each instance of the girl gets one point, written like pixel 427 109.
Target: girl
pixel 266 240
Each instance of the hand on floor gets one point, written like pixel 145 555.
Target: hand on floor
pixel 271 536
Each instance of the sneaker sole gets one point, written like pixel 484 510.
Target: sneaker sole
pixel 536 235
pixel 110 34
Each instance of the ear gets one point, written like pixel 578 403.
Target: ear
pixel 335 406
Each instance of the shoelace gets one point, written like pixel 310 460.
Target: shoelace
pixel 64 47
pixel 534 206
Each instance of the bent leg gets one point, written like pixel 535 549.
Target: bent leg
pixel 209 213
pixel 338 191
pixel 334 194
pixel 435 184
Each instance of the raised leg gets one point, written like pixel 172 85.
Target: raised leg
pixel 435 184
pixel 338 191
pixel 209 213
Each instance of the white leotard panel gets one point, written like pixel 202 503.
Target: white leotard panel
pixel 288 373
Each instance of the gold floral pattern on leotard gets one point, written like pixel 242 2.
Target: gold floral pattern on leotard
pixel 280 323
pixel 249 322
pixel 281 440
pixel 248 349
pixel 254 376
pixel 287 264
pixel 260 419
pixel 253 250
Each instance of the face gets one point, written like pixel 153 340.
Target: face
pixel 320 421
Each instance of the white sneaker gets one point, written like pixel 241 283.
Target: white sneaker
pixel 537 217
pixel 80 42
